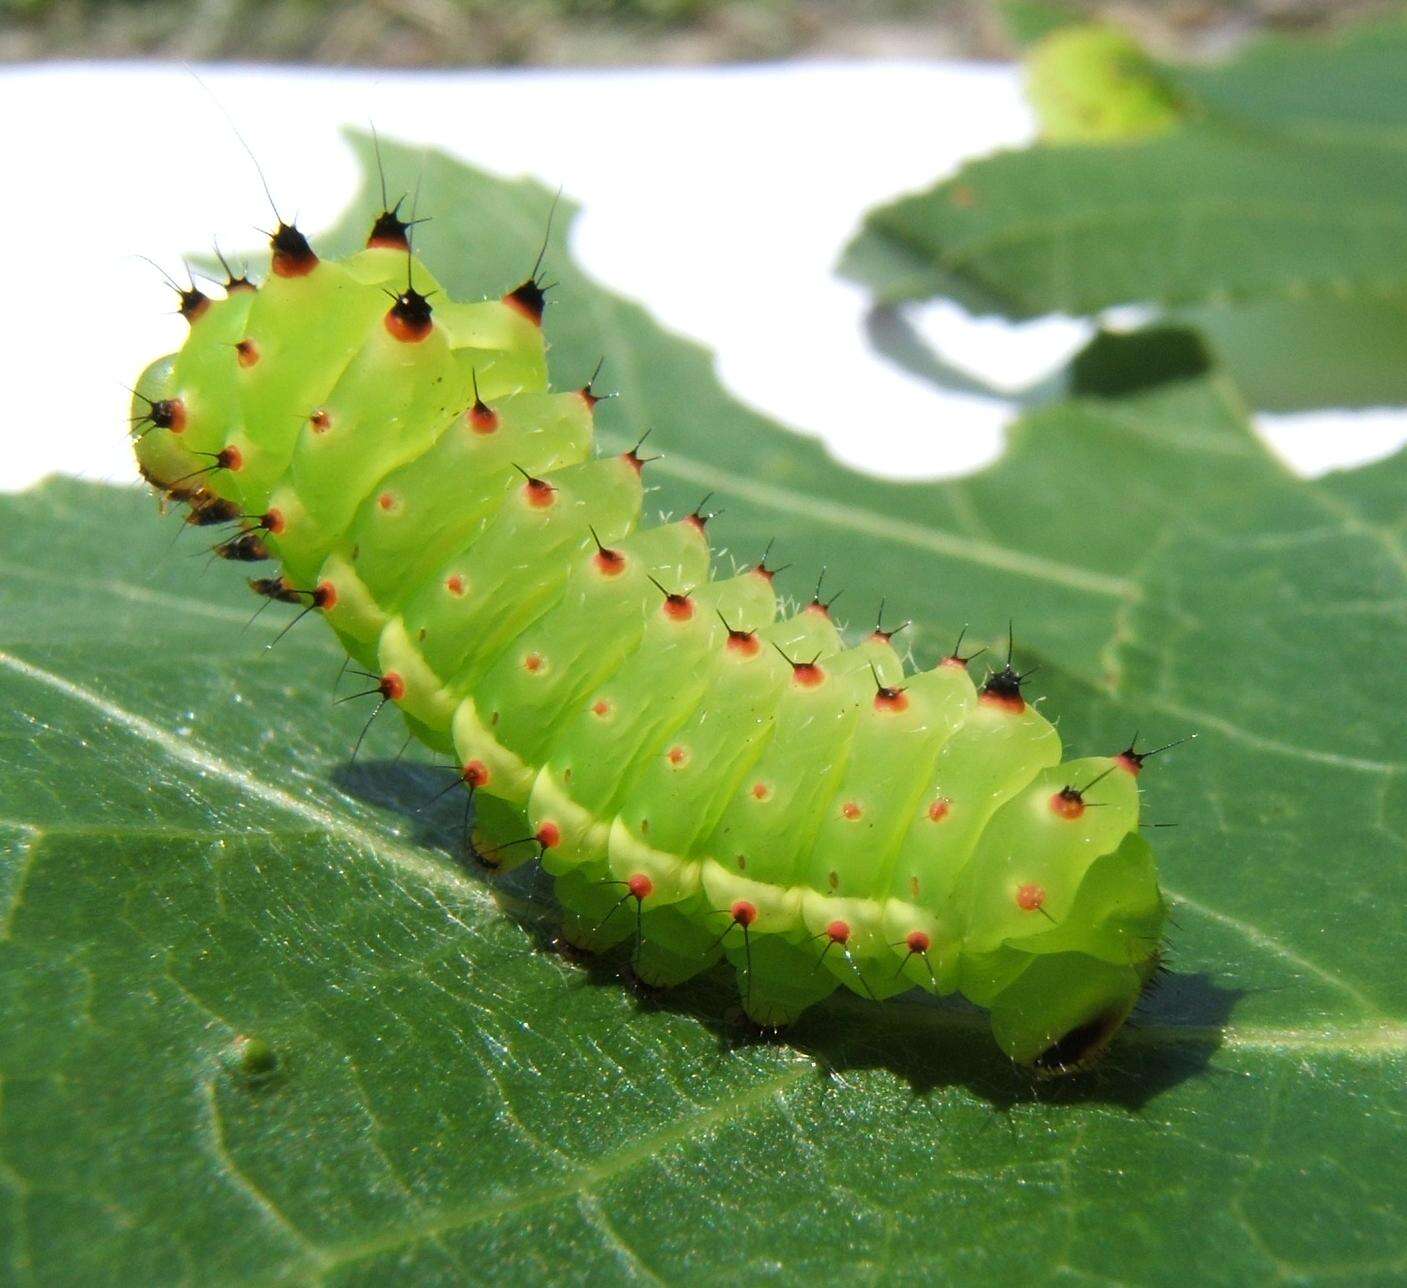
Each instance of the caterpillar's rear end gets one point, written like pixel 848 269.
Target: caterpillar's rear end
pixel 703 778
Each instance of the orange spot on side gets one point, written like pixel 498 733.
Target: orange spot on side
pixel 274 521
pixel 392 686
pixel 1067 803
pixel 601 707
pixel 454 583
pixel 386 501
pixel 548 835
pixel 807 674
pixel 676 755
pixel 176 413
pixel 475 773
pixel 1030 897
pixel 917 942
pixel 743 912
pixel 640 885
pixel 838 932
pixel 851 811
pixel 247 352
pixel 761 791
pixel 321 421
pixel 963 197
pixel 533 662
pixel 1012 705
pixel 938 809
pixel 230 458
pixel 745 643
pixel 325 595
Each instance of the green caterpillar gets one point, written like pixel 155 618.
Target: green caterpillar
pixel 700 778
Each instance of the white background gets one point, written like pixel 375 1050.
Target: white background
pixel 695 185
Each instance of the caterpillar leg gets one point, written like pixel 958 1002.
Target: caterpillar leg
pixel 676 944
pixel 778 976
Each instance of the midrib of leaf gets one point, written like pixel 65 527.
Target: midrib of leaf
pixel 381 845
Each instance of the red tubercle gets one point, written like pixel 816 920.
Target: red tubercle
pixel 548 834
pixel 916 941
pixel 273 522
pixel 678 608
pixel 325 596
pixel 769 575
pixel 533 663
pixel 807 675
pixel 1067 803
pixel 939 809
pixel 475 773
pixel 851 811
pixel 601 708
pixel 247 352
pixel 1130 762
pixel 407 331
pixel 230 458
pixel 1012 704
pixel 761 792
pixel 168 413
pixel 838 932
pixel 890 700
pixel 744 643
pixel 410 319
pixel 1030 897
pixel 640 885
pixel 292 255
pixel 389 232
pixel 608 562
pixel 742 912
pixel 195 304
pixel 955 662
pixel 527 300
pixel 677 756
pixel 392 687
pixel 387 501
pixel 454 583
pixel 320 421
pixel 589 398
pixel 482 418
pixel 539 494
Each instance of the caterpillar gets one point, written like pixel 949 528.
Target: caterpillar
pixel 704 777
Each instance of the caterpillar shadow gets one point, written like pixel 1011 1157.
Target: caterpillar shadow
pixel 930 1043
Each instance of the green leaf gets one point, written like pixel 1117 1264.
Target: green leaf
pixel 1274 221
pixel 261 1024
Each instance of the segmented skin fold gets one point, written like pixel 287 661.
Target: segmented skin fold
pixel 703 778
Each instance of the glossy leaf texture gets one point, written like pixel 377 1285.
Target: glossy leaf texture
pixel 1272 219
pixel 263 1023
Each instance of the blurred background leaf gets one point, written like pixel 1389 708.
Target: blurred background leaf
pixel 1272 218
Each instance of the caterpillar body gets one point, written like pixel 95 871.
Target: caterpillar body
pixel 702 777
